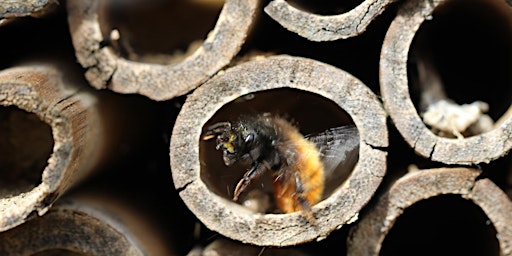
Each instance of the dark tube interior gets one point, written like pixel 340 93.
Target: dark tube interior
pixel 443 225
pixel 161 32
pixel 310 112
pixel 26 144
pixel 325 7
pixel 469 45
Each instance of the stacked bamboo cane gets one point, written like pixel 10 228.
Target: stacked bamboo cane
pixel 106 156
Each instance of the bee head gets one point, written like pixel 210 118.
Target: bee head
pixel 234 141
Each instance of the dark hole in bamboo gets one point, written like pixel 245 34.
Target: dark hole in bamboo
pixel 58 252
pixel 26 144
pixel 442 225
pixel 325 7
pixel 162 32
pixel 469 44
pixel 310 112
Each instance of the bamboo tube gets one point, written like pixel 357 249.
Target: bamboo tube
pixel 410 30
pixel 54 135
pixel 281 81
pixel 227 247
pixel 9 10
pixel 105 69
pixel 88 223
pixel 368 235
pixel 316 27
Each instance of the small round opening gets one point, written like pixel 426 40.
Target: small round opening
pixel 26 144
pixel 158 31
pixel 309 112
pixel 442 225
pixel 58 252
pixel 464 53
pixel 325 7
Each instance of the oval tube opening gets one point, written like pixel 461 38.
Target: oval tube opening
pixel 26 144
pixel 462 54
pixel 309 112
pixel 455 226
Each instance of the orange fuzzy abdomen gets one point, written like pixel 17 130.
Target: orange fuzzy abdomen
pixel 309 167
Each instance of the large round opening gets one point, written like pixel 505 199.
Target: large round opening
pixel 309 112
pixel 442 225
pixel 26 144
pixel 159 31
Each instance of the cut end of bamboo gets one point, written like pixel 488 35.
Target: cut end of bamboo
pixel 205 184
pixel 434 190
pixel 87 224
pixel 45 124
pixel 297 17
pixel 441 94
pixel 26 144
pixel 121 56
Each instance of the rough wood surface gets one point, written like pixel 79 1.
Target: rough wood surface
pixel 481 148
pixel 87 224
pixel 12 9
pixel 367 236
pixel 235 221
pixel 72 116
pixel 88 129
pixel 326 27
pixel 105 69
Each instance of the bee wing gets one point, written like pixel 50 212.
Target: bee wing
pixel 337 147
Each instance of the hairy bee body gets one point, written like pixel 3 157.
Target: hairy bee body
pixel 301 162
pixel 270 143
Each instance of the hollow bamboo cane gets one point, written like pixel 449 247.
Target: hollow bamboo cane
pixel 197 177
pixel 367 236
pixel 317 27
pixel 396 87
pixel 106 69
pixel 56 132
pixel 88 223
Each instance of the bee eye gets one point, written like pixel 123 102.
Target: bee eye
pixel 249 138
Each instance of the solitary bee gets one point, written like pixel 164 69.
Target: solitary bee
pixel 298 163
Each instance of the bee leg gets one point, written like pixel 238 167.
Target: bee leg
pixel 255 172
pixel 299 196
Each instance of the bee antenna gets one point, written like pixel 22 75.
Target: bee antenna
pixel 220 126
pixel 216 129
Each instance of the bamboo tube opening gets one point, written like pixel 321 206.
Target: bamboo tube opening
pixel 89 223
pixel 211 204
pixel 26 144
pixel 325 7
pixel 455 207
pixel 400 62
pixel 161 32
pixel 455 226
pixel 309 112
pixel 445 53
pixel 157 76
